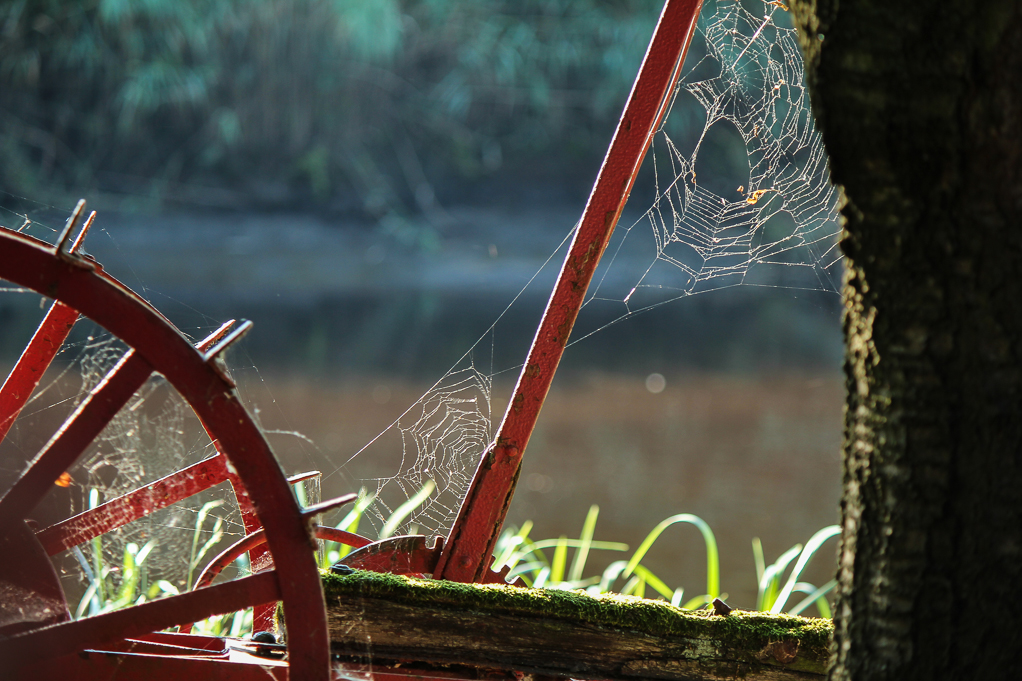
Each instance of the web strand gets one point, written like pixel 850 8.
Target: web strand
pixel 773 226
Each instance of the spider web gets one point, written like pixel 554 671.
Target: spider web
pixel 768 220
pixel 440 439
pixel 775 224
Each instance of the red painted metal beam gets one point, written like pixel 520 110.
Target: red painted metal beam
pixel 45 343
pixel 32 364
pixel 133 505
pixel 111 666
pixel 406 555
pixel 258 538
pixel 104 665
pixel 69 637
pixel 333 534
pixel 469 549
pixel 77 433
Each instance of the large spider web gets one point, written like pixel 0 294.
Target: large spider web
pixel 769 220
pixel 775 225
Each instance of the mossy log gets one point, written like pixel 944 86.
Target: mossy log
pixel 564 633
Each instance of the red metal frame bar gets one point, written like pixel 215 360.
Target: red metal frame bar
pixel 133 505
pixel 34 361
pixel 406 555
pixel 468 551
pixel 47 340
pixel 77 433
pixel 81 428
pixel 101 665
pixel 71 637
pixel 202 665
pixel 258 538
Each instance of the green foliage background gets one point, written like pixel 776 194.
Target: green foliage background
pixel 285 100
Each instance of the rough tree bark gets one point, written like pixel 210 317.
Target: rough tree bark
pixel 920 105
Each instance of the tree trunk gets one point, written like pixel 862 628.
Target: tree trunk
pixel 921 110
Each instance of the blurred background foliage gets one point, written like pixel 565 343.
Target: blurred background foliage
pixel 378 109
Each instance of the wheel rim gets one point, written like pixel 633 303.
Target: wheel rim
pixel 81 285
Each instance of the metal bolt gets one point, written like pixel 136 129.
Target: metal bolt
pixel 264 637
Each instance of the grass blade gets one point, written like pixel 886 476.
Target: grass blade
pixel 560 560
pixel 129 578
pixel 200 520
pixel 524 569
pixel 217 535
pixel 541 578
pixel 757 556
pixel 611 574
pixel 405 509
pixel 712 559
pixel 698 602
pixel 812 546
pixel 636 586
pixel 87 599
pixel 817 597
pixel 573 543
pixel 654 581
pixel 585 541
pixel 509 542
pixel 769 585
pixel 350 523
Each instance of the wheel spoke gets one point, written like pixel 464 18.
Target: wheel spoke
pixel 84 286
pixel 45 343
pixel 80 429
pixel 133 505
pixel 143 501
pixel 34 361
pixel 71 637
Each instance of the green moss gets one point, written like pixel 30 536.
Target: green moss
pixel 740 630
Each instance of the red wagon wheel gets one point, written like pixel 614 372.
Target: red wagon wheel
pixel 35 625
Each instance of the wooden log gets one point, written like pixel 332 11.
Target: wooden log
pixel 385 618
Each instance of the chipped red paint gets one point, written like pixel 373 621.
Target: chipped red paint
pixel 468 551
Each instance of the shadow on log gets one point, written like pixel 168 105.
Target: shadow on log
pixel 389 619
